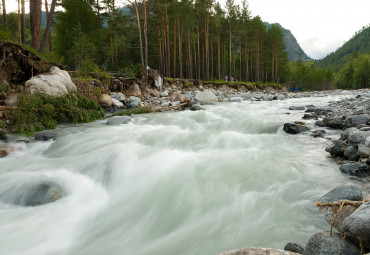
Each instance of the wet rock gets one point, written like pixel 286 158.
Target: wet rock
pixel 5 150
pixel 309 116
pixel 337 149
pixel 367 141
pixel 318 133
pixel 118 120
pixel 259 251
pixel 296 108
pixel 344 135
pixel 132 102
pixel 358 137
pixel 134 90
pixel 294 248
pixel 55 83
pixel 334 122
pixel 46 135
pixel 354 120
pixel 292 128
pixel 236 99
pixel 350 151
pixel 206 96
pixel 196 107
pixel 363 151
pixel 358 223
pixel 320 123
pixel 336 219
pixel 105 101
pixel 324 244
pixel 40 194
pixel 356 168
pixel 113 109
pixel 345 192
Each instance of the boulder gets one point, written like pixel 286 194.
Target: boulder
pixel 320 123
pixel 354 120
pixel 236 99
pixel 345 134
pixel 118 96
pixel 132 102
pixel 334 122
pixel 363 151
pixel 259 251
pixel 294 248
pixel 318 133
pixel 118 120
pixel 55 83
pixel 358 223
pixel 292 128
pixel 367 141
pixel 356 168
pixel 46 135
pixel 105 101
pixel 350 151
pixel 196 107
pixel 345 192
pixel 296 108
pixel 117 103
pixel 134 90
pixel 206 96
pixel 336 218
pixel 337 149
pixel 358 137
pixel 324 244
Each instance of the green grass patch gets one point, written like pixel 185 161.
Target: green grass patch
pixel 40 111
pixel 141 110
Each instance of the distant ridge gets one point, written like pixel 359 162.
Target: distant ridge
pixel 360 43
pixel 293 48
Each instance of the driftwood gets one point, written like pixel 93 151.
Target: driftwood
pixel 340 203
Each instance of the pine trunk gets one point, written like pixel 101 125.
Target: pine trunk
pixel 35 18
pixel 23 21
pixel 5 22
pixel 46 36
pixel 19 23
pixel 218 56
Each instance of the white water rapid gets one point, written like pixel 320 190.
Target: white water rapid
pixel 172 183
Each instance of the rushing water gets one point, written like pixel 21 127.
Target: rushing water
pixel 172 183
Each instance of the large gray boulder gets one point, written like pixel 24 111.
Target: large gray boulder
pixel 345 192
pixel 354 120
pixel 358 223
pixel 357 137
pixel 46 135
pixel 292 128
pixel 132 102
pixel 324 244
pixel 55 83
pixel 334 122
pixel 206 96
pixel 356 168
pixel 337 149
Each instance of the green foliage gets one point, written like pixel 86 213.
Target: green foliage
pixel 141 110
pixel 40 111
pixel 87 68
pixel 2 123
pixel 5 35
pixel 131 72
pixel 4 87
pixel 355 73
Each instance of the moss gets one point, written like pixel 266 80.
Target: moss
pixel 141 110
pixel 40 111
pixel 187 83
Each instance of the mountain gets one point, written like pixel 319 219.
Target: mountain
pixel 359 43
pixel 295 51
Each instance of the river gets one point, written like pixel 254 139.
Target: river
pixel 187 182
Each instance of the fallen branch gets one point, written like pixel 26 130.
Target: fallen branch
pixel 171 106
pixel 340 203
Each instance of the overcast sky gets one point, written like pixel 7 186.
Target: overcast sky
pixel 320 26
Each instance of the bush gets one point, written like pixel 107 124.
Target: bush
pixel 40 111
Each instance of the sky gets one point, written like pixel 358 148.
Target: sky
pixel 320 26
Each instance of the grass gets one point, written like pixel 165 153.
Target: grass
pixel 141 110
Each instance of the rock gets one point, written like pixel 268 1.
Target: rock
pixel 294 128
pixel 296 108
pixel 39 194
pixel 5 150
pixel 259 251
pixel 358 137
pixel 134 90
pixel 236 99
pixel 105 101
pixel 324 244
pixel 309 116
pixel 294 248
pixel 318 133
pixel 3 135
pixel 344 135
pixel 118 120
pixel 46 135
pixel 350 151
pixel 164 93
pixel 111 110
pixel 300 123
pixel 363 151
pixel 118 96
pixel 358 223
pixel 196 107
pixel 353 121
pixel 310 106
pixel 345 192
pixel 206 96
pixel 132 102
pixel 117 103
pixel 56 83
pixel 356 168
pixel 337 149
pixel 334 122
pixel 320 123
pixel 346 211
pixel 11 100
pixel 367 141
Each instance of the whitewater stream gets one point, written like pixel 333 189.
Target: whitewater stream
pixel 172 183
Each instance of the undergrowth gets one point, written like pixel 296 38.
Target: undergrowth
pixel 40 111
pixel 141 110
